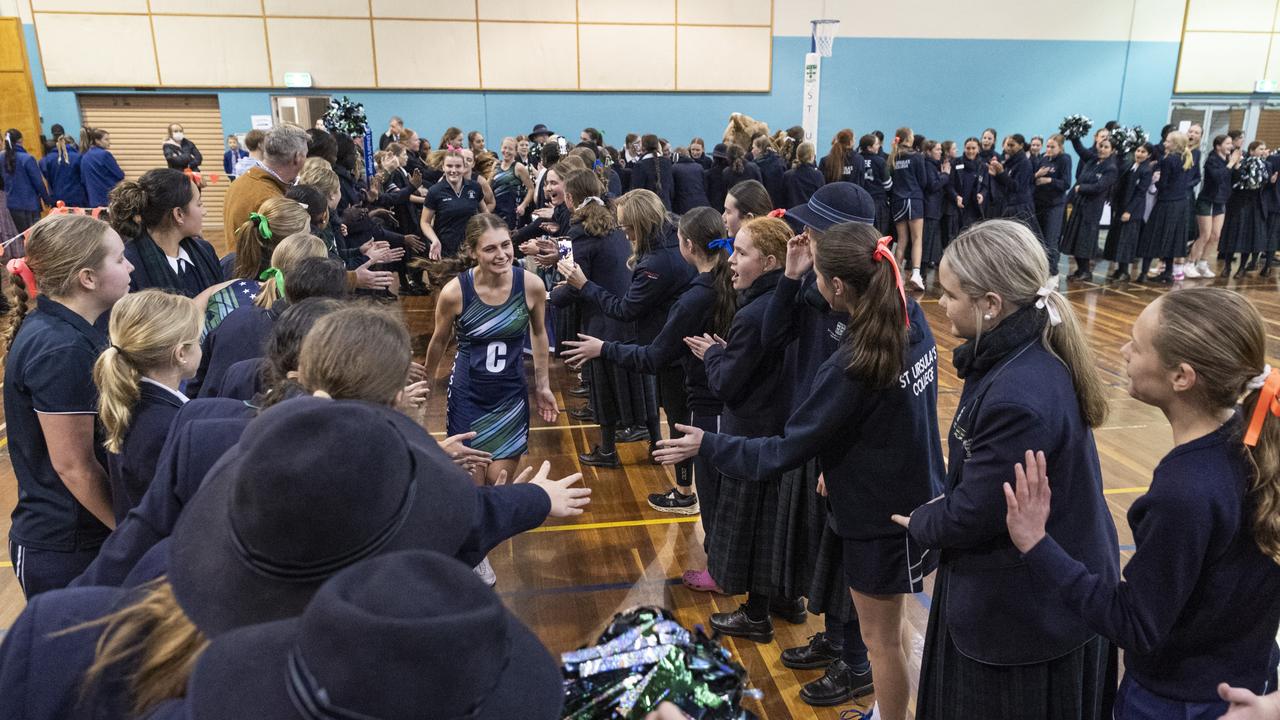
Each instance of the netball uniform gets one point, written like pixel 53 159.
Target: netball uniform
pixel 507 193
pixel 910 177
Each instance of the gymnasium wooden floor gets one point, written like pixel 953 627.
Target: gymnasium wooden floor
pixel 567 579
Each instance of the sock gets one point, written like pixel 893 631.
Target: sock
pixel 1177 268
pixel 854 652
pixel 608 443
pixel 757 607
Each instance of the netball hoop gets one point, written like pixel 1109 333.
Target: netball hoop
pixel 822 39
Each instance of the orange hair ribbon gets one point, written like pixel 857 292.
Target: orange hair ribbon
pixel 1268 402
pixel 884 254
pixel 18 266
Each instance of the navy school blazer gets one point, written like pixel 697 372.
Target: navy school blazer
pixel 657 280
pixel 132 469
pixel 603 260
pixel 749 380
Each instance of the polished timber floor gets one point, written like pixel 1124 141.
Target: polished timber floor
pixel 568 578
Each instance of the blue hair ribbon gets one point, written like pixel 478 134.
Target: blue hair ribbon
pixel 726 243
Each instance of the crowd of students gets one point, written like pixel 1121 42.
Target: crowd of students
pixel 193 436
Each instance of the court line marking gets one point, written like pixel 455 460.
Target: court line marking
pixel 1125 490
pixel 616 524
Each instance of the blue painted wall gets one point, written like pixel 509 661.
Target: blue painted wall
pixel 942 88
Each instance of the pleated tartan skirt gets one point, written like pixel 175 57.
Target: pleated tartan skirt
pixel 1164 235
pixel 740 548
pixel 807 553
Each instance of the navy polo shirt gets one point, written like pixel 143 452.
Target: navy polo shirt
pixel 49 369
pixel 453 210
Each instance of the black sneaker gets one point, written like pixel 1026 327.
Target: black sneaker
pixel 675 502
pixel 793 611
pixel 837 685
pixel 819 653
pixel 738 624
pixel 599 458
pixel 635 433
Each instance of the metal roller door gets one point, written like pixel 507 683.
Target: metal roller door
pixel 139 125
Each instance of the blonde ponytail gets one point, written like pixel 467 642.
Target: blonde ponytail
pixel 277 218
pixel 291 251
pixel 146 330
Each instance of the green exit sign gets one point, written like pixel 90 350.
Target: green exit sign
pixel 297 79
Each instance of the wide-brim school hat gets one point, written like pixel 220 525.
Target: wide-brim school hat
pixel 540 129
pixel 835 203
pixel 404 635
pixel 720 151
pixel 314 486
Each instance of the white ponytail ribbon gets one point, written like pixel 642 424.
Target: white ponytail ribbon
pixel 593 199
pixel 1261 379
pixel 1050 287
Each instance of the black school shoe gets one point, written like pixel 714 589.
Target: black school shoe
pixel 793 611
pixel 635 433
pixel 580 391
pixel 819 653
pixel 583 414
pixel 737 624
pixel 837 685
pixel 674 502
pixel 599 458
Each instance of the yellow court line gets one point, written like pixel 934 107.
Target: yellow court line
pixel 617 524
pixel 5 563
pixel 543 428
pixel 1125 490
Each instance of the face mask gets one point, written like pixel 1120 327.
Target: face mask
pixel 178 136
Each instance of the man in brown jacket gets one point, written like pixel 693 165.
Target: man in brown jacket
pixel 284 150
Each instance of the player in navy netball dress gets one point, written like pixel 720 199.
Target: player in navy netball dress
pixel 490 308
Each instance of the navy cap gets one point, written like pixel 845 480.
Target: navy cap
pixel 720 151
pixel 834 203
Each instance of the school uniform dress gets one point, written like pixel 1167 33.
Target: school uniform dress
pixel 862 437
pixel 1092 191
pixel 487 390
pixel 654 173
pixel 996 639
pixel 968 181
pixel 1216 188
pixel 772 170
pixel 132 469
pixel 1165 232
pixel 1017 196
pixel 1051 200
pixel 183 156
pixel 934 192
pixel 1244 229
pixel 194 270
pixel 910 178
pixel 452 211
pixel 690 186
pixel 63 177
pixel 49 369
pixel 242 334
pixel 801 182
pixel 740 550
pixel 24 187
pixel 1122 243
pixel 1199 602
pixel 100 172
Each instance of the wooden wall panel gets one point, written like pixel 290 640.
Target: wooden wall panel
pixel 547 57
pixel 299 45
pixel 704 64
pixel 92 50
pixel 17 95
pixel 452 62
pixel 726 12
pixel 541 11
pixel 91 6
pixel 425 9
pixel 627 57
pixel 1221 62
pixel 316 8
pixel 627 11
pixel 230 53
pixel 222 7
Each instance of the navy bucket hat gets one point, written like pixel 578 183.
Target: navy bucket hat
pixel 835 203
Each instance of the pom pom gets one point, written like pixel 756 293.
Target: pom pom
pixel 1122 140
pixel 1253 174
pixel 346 116
pixel 1074 127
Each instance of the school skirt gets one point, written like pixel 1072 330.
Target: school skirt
pixel 1164 235
pixel 932 245
pixel 1080 239
pixel 1273 232
pixel 888 566
pixel 807 553
pixel 740 548
pixel 1122 242
pixel 884 222
pixel 1245 228
pixel 956 687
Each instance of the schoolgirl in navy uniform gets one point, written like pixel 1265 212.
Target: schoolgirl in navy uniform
pixel 1180 269
pixel 1271 206
pixel 653 171
pixel 804 177
pixel 1122 242
pixel 876 178
pixel 1211 206
pixel 1015 177
pixel 690 183
pixel 1091 191
pixel 659 275
pixel 61 169
pixel 750 382
pixel 256 239
pixel 739 168
pixel 601 248
pixel 882 383
pixel 698 151
pixel 968 181
pixel 910 178
pixel 1200 599
pixel 1244 232
pixel 841 163
pixel 996 640
pixel 64 504
pixel 98 167
pixel 772 168
pixel 938 170
pixel 1165 233
pixel 989 148
pixel 745 201
pixel 161 215
pixel 1053 177
pixel 950 223
pixel 450 204
pixel 707 305
pixel 1085 154
pixel 22 182
pixel 155 345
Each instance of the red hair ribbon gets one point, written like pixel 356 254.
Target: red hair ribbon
pixel 1268 402
pixel 884 254
pixel 777 213
pixel 18 266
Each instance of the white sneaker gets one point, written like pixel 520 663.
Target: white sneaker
pixel 1156 270
pixel 1189 271
pixel 917 282
pixel 1203 268
pixel 485 572
pixel 1178 273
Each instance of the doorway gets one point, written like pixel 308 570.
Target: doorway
pixel 300 110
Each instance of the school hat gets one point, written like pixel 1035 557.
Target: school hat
pixel 539 129
pixel 405 635
pixel 834 203
pixel 720 151
pixel 314 485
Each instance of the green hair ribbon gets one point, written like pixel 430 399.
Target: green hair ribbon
pixel 263 229
pixel 272 272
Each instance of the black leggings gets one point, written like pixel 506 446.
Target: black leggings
pixel 707 477
pixel 675 402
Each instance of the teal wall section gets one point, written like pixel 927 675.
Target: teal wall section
pixel 942 88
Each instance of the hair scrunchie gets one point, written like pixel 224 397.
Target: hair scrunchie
pixel 19 267
pixel 273 272
pixel 263 228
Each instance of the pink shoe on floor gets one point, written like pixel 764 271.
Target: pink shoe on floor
pixel 701 581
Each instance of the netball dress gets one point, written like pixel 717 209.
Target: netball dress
pixel 487 390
